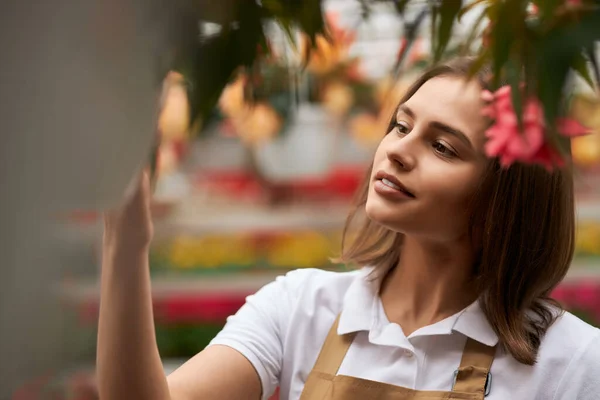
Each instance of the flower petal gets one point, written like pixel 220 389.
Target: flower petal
pixel 548 157
pixel 571 128
pixel 506 160
pixel 489 111
pixel 486 95
pixel 503 92
pixel 495 145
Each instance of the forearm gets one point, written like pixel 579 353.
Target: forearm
pixel 128 362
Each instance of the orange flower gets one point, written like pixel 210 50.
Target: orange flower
pixel 367 129
pixel 389 92
pixel 586 149
pixel 327 52
pixel 232 99
pixel 337 99
pixel 257 123
pixel 173 121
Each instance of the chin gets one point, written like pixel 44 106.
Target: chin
pixel 383 214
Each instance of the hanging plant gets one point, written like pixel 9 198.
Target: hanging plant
pixel 536 46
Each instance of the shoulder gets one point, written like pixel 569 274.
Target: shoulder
pixel 296 294
pixel 311 287
pixel 271 328
pixel 311 281
pixel 567 335
pixel 570 356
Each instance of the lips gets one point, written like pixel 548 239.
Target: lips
pixel 393 182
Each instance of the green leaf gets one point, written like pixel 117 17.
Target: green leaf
pixel 288 30
pixel 474 32
pixel 557 51
pixel 448 11
pixel 589 51
pixel 410 34
pixel 434 13
pixel 305 15
pixel 508 19
pixel 310 18
pixel 580 64
pixel 547 8
pixel 276 9
pixel 513 73
pixel 209 64
pixel 365 9
pixel 468 8
pixel 479 62
pixel 401 6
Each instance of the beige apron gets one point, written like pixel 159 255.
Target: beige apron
pixel 324 384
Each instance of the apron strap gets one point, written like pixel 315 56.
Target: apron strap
pixel 472 375
pixel 333 351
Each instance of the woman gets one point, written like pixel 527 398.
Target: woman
pixel 462 256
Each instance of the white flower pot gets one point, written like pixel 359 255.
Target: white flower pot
pixel 306 150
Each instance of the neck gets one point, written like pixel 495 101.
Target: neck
pixel 431 282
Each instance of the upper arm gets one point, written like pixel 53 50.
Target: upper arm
pixel 218 372
pixel 246 357
pixel 581 380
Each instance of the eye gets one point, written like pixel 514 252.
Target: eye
pixel 402 128
pixel 443 150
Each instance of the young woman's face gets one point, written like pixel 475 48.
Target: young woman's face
pixel 428 166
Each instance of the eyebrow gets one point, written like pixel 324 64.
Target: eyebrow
pixel 438 125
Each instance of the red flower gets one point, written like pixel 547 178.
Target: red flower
pixel 509 144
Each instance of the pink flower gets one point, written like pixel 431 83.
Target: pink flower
pixel 509 144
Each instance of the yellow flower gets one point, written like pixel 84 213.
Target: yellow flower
pixel 367 129
pixel 173 121
pixel 588 239
pixel 337 99
pixel 181 253
pixel 212 251
pixel 232 100
pixel 586 149
pixel 256 124
pixel 300 250
pixel 327 52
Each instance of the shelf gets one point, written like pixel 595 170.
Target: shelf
pixel 240 284
pixel 588 210
pixel 165 287
pixel 212 298
pixel 583 271
pixel 196 218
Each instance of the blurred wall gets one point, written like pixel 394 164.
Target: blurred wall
pixel 78 92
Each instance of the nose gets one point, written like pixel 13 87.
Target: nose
pixel 402 152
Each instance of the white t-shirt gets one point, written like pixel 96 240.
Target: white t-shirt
pixel 282 327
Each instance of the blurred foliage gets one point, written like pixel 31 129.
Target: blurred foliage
pixel 209 60
pixel 183 340
pixel 533 44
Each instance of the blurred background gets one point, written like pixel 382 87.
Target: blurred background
pixel 257 190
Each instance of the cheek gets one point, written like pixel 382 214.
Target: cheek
pixel 453 188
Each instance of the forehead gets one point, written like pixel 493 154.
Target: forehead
pixel 452 101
